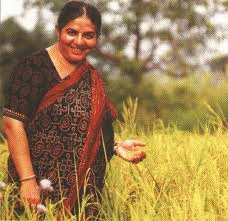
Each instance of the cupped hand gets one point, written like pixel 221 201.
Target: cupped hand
pixel 129 150
pixel 30 192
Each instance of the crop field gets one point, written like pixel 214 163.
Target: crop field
pixel 184 177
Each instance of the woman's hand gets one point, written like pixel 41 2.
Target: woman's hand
pixel 129 150
pixel 30 192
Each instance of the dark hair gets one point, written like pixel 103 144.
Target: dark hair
pixel 74 9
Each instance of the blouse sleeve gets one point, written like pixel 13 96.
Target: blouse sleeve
pixel 17 98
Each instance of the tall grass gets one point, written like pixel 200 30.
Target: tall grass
pixel 184 177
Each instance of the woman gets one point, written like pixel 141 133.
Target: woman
pixel 57 114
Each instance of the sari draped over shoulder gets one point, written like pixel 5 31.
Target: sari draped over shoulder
pixel 65 134
pixel 99 101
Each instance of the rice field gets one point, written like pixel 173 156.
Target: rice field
pixel 184 177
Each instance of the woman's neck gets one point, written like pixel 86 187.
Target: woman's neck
pixel 63 66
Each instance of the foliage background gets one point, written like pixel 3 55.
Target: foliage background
pixel 162 52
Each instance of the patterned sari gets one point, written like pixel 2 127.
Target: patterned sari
pixel 65 134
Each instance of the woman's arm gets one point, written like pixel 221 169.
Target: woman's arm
pixel 19 149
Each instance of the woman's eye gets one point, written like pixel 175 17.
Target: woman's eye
pixel 90 35
pixel 71 32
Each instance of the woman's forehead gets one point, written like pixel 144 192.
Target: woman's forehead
pixel 82 23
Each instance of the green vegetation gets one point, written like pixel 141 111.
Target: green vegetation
pixel 184 177
pixel 181 113
pixel 156 51
pixel 192 103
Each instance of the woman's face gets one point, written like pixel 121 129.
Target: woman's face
pixel 77 38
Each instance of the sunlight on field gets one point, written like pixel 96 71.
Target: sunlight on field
pixel 184 177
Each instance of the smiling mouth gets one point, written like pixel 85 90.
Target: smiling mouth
pixel 77 50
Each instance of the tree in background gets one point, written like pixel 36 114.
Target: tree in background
pixel 134 30
pixel 134 33
pixel 17 43
pixel 133 36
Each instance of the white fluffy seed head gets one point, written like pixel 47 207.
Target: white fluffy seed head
pixel 45 184
pixel 41 208
pixel 2 185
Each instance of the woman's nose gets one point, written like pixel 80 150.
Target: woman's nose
pixel 79 40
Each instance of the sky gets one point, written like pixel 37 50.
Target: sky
pixel 15 8
pixel 10 7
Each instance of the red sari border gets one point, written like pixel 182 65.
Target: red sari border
pixel 99 102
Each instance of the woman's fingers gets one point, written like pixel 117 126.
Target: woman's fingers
pixel 30 193
pixel 129 150
pixel 131 156
pixel 32 200
pixel 131 144
pixel 139 157
pixel 138 143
